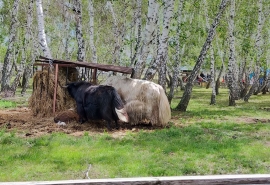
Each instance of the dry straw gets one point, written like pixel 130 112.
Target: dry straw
pixel 41 100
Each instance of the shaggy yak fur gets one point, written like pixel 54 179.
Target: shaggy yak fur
pixel 95 102
pixel 145 102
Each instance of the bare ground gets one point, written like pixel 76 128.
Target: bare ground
pixel 26 124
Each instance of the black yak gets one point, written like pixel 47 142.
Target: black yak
pixel 95 102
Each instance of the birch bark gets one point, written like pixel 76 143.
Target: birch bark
pixel 222 55
pixel 212 80
pixel 232 76
pixel 79 34
pixel 41 30
pixel 178 55
pixel 91 30
pixel 258 47
pixel 182 106
pixel 7 66
pixel 163 47
pixel 138 23
pixel 28 38
pixel 212 63
pixel 66 31
pixel 148 37
pixel 116 53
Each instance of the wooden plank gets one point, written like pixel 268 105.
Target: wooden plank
pixel 46 64
pixel 94 76
pixel 179 180
pixel 102 67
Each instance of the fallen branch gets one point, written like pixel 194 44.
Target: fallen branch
pixel 87 171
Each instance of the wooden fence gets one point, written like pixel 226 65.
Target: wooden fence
pixel 182 180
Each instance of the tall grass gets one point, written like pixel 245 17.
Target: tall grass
pixel 204 140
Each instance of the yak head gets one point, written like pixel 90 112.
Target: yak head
pixel 74 87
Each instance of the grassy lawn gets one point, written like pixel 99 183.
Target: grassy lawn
pixel 207 139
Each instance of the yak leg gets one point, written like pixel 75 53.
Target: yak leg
pixel 109 125
pixel 107 115
pixel 116 124
pixel 81 112
pixel 108 119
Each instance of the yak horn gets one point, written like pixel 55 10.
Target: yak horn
pixel 64 87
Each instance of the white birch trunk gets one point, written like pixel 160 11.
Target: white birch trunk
pixel 178 54
pixel 7 66
pixel 232 63
pixel 212 73
pixel 41 30
pixel 138 23
pixel 116 32
pixel 148 37
pixel 91 30
pixel 28 38
pixel 212 63
pixel 163 47
pixel 79 34
pixel 155 45
pixel 222 55
pixel 66 38
pixel 258 47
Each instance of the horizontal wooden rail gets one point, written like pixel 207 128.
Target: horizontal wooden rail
pixel 179 180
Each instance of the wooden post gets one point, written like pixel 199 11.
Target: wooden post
pixel 55 87
pixel 94 76
pixel 41 87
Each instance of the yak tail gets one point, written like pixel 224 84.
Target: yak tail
pixel 164 108
pixel 119 107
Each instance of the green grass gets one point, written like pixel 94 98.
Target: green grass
pixel 204 140
pixel 16 101
pixel 7 104
pixel 198 149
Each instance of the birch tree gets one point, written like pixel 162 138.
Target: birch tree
pixel 41 30
pixel 138 23
pixel 212 80
pixel 139 65
pixel 79 33
pixel 91 31
pixel 212 59
pixel 177 62
pixel 7 66
pixel 182 106
pixel 66 22
pixel 258 47
pixel 28 38
pixel 232 72
pixel 163 47
pixel 116 52
pixel 222 55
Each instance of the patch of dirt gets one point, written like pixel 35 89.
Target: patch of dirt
pixel 26 124
pixel 251 120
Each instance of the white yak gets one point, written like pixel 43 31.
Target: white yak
pixel 145 101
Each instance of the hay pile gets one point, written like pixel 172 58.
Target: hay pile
pixel 41 100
